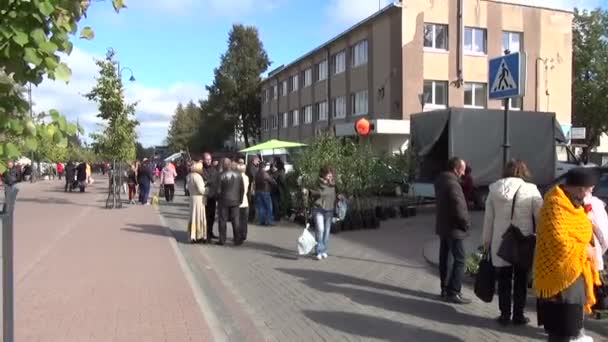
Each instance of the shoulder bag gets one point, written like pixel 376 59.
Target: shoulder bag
pixel 516 248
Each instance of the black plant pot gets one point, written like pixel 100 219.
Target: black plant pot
pixel 347 223
pixel 403 211
pixel 392 212
pixel 379 211
pixel 357 220
pixel 375 222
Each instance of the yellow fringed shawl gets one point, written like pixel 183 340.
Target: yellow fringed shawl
pixel 563 235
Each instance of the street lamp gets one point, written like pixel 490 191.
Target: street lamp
pixel 132 78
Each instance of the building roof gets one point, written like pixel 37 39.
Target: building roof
pixel 338 37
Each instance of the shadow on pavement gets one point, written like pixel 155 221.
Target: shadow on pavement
pixel 376 327
pixel 429 309
pixel 181 236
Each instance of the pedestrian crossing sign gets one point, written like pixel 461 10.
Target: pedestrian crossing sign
pixel 507 75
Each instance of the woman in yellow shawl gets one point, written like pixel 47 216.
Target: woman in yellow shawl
pixel 197 226
pixel 564 270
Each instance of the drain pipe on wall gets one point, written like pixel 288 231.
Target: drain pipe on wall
pixel 460 31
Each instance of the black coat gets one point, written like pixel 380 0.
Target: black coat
pixel 231 189
pixel 452 213
pixel 81 172
pixel 211 176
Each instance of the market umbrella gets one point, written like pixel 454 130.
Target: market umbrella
pixel 271 145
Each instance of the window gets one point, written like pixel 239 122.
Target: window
pixel 307 77
pixel 275 92
pixel 339 107
pixel 265 124
pixel 321 111
pixel 436 94
pixel 512 41
pixel 475 95
pixel 273 121
pixel 359 53
pixel 295 118
pixel 339 62
pixel 360 103
pixel 264 95
pixel 475 40
pixel 307 114
pixel 294 83
pixel 436 36
pixel 285 120
pixel 284 88
pixel 516 103
pixel 321 72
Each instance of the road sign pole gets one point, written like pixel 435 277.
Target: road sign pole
pixel 507 140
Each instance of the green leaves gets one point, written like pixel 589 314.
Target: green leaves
pixel 31 56
pixel 21 38
pixel 87 33
pixel 31 143
pixel 46 8
pixel 63 72
pixel 10 150
pixel 118 5
pixel 38 36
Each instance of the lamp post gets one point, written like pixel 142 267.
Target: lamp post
pixel 131 79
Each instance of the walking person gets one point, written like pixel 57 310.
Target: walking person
pixel 565 265
pixel 81 176
pixel 452 226
pixel 244 208
pixel 512 200
pixel 145 178
pixel 324 197
pixel 70 176
pixel 231 192
pixel 252 170
pixel 132 182
pixel 197 225
pixel 263 200
pixel 60 170
pixel 167 181
pixel 211 177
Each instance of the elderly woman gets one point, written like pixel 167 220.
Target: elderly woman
pixel 197 226
pixel 565 270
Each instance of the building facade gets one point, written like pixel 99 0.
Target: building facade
pixel 415 56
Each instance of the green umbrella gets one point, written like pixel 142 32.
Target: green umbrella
pixel 272 144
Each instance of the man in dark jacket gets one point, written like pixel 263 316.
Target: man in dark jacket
pixel 145 178
pixel 263 200
pixel 231 192
pixel 70 176
pixel 81 176
pixel 211 177
pixel 452 225
pixel 11 175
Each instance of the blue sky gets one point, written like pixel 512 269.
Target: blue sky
pixel 172 46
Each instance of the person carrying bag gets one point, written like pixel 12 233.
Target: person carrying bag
pixel 512 202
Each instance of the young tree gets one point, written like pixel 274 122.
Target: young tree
pixel 590 76
pixel 236 84
pixel 32 35
pixel 182 130
pixel 118 139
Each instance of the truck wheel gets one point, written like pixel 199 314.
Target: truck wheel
pixel 479 198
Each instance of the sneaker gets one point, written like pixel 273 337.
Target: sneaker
pixel 324 255
pixel 319 256
pixel 458 299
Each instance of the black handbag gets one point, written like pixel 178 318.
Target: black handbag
pixel 485 280
pixel 517 248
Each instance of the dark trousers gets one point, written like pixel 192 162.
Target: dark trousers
pixel 276 205
pixel 144 192
pixel 132 191
pixel 263 204
pixel 244 220
pixel 451 274
pixel 231 214
pixel 251 210
pixel 210 215
pixel 169 192
pixel 512 290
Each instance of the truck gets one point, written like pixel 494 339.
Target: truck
pixel 476 135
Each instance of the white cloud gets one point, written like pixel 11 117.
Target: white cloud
pixel 352 11
pixel 154 111
pixel 229 8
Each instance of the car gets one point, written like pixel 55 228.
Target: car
pixel 600 190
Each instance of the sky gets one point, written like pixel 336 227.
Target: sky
pixel 172 47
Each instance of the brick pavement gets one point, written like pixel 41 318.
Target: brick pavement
pixel 85 273
pixel 376 285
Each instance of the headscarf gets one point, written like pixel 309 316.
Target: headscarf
pixel 564 233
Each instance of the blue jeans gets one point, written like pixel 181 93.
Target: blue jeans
pixel 263 204
pixel 144 192
pixel 322 219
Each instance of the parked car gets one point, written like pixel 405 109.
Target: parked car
pixel 600 190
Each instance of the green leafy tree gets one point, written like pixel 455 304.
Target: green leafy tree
pixel 118 138
pixel 183 127
pixel 590 77
pixel 236 85
pixel 33 34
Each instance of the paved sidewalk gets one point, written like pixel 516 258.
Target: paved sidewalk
pixel 82 273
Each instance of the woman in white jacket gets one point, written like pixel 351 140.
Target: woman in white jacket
pixel 512 281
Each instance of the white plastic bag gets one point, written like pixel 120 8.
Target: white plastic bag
pixel 306 242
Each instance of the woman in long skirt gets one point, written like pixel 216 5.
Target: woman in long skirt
pixel 197 227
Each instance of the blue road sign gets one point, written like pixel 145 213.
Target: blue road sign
pixel 507 76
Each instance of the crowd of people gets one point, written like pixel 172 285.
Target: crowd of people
pixel 570 227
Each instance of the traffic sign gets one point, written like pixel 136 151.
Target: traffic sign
pixel 507 76
pixel 578 133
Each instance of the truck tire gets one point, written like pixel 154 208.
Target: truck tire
pixel 479 198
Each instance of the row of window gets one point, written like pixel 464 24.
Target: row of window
pixel 475 39
pixel 358 53
pixel 321 110
pixel 435 95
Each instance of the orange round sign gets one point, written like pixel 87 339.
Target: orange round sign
pixel 363 127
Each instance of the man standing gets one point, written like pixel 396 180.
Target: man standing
pixel 211 178
pixel 252 171
pixel 231 192
pixel 263 187
pixel 10 176
pixel 145 178
pixel 452 225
